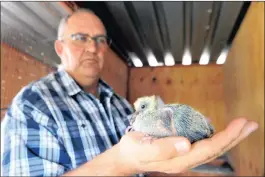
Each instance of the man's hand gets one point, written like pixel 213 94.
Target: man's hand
pixel 176 154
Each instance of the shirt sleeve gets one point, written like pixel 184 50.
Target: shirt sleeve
pixel 29 147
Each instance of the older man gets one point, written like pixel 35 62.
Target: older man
pixel 72 123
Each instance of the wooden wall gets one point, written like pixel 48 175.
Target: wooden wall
pixel 19 69
pixel 195 85
pixel 115 73
pixel 244 89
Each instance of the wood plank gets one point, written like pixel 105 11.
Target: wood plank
pixel 195 85
pixel 115 73
pixel 17 70
pixel 244 89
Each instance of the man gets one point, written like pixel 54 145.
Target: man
pixel 71 122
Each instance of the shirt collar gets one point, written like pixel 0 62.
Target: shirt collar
pixel 73 88
pixel 105 89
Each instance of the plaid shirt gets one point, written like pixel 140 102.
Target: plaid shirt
pixel 53 126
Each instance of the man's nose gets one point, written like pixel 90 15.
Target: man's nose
pixel 91 46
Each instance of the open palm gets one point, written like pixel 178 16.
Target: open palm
pixel 162 156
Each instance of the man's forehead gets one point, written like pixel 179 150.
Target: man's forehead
pixel 85 22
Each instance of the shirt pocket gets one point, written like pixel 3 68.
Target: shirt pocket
pixel 82 138
pixel 70 130
pixel 78 143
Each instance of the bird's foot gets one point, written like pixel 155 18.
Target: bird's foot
pixel 148 138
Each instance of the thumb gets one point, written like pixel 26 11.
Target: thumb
pixel 166 148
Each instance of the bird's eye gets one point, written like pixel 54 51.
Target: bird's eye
pixel 143 106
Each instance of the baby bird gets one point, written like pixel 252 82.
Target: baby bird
pixel 156 119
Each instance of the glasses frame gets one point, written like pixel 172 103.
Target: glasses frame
pixel 94 38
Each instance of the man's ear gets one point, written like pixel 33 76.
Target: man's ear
pixel 58 47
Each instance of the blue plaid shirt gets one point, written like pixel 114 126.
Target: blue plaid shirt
pixel 53 126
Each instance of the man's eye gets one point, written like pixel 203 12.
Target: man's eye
pixel 101 40
pixel 80 38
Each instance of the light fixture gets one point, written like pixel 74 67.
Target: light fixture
pixel 169 59
pixel 205 57
pixel 160 64
pixel 152 59
pixel 136 61
pixel 186 60
pixel 222 58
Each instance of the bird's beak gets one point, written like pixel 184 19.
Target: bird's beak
pixel 134 115
pixel 132 119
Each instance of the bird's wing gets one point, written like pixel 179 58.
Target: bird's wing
pixel 166 120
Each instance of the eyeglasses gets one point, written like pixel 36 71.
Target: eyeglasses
pixel 80 40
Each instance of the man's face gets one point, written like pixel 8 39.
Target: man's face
pixel 81 55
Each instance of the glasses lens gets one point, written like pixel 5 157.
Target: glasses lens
pixel 103 41
pixel 79 40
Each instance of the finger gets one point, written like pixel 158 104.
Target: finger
pixel 203 150
pixel 219 143
pixel 165 148
pixel 249 127
pixel 159 150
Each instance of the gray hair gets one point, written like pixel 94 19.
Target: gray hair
pixel 64 20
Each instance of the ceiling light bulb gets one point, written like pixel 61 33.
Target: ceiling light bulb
pixel 136 61
pixel 222 58
pixel 169 59
pixel 152 59
pixel 205 57
pixel 186 60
